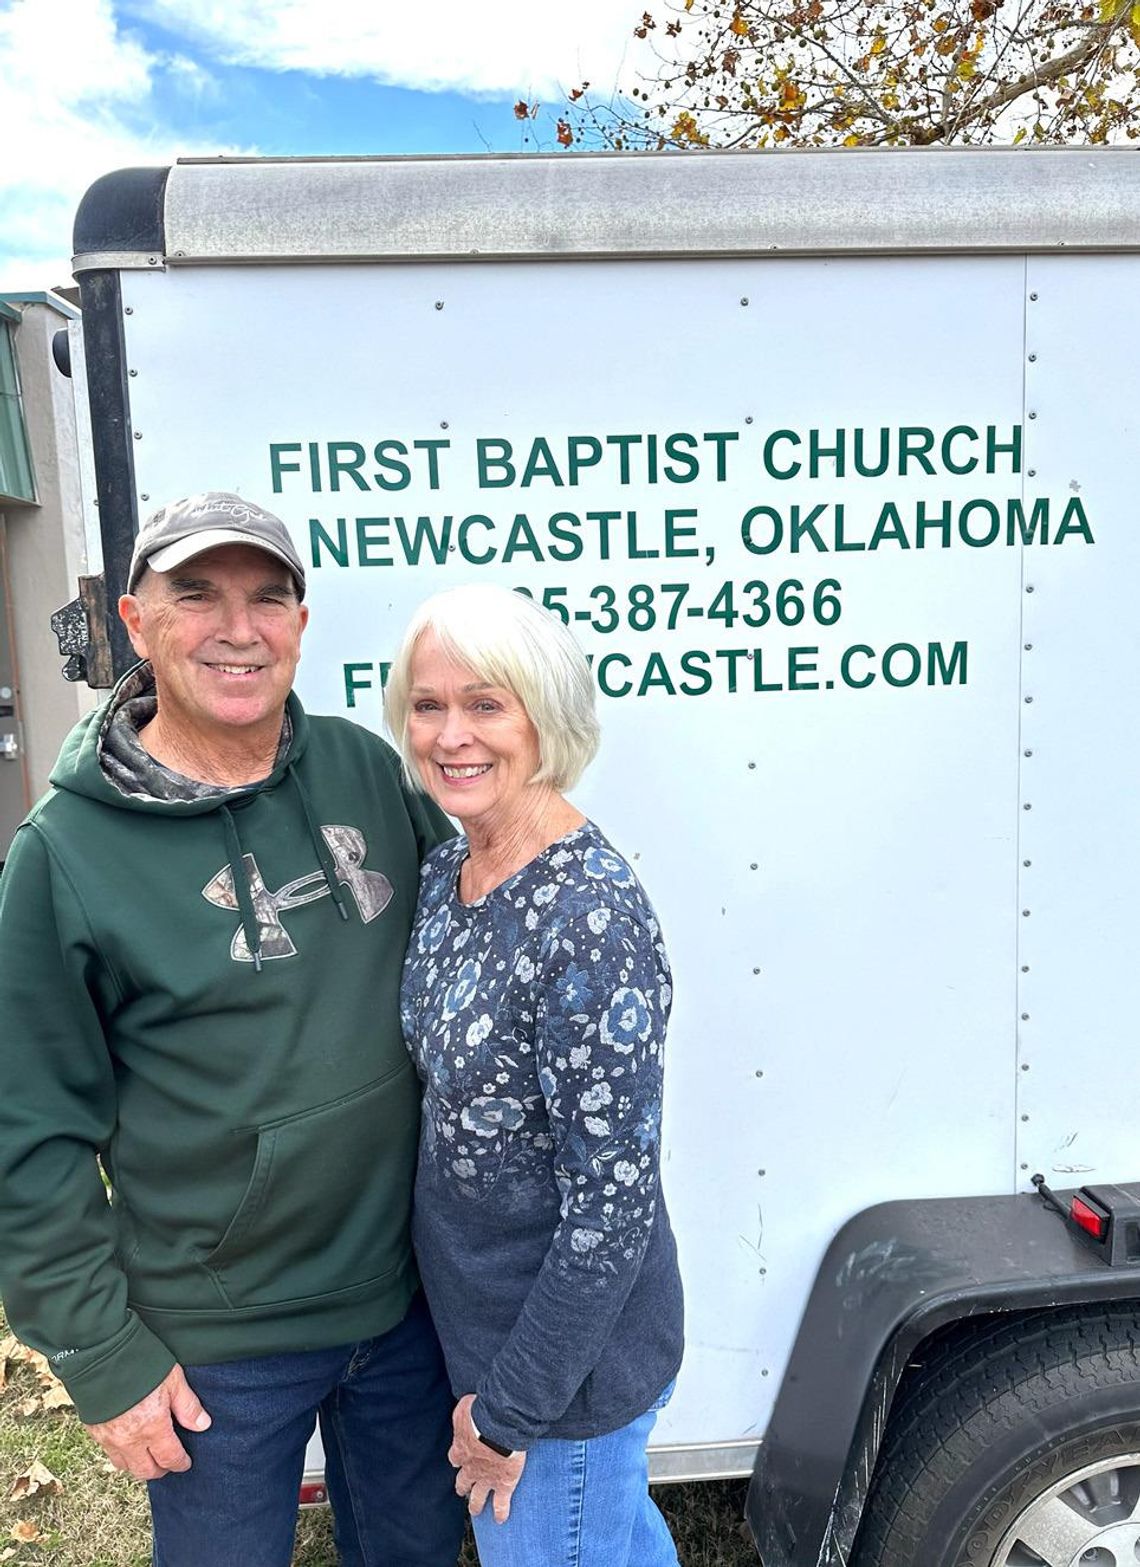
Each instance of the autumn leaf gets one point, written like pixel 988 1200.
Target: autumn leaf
pixel 564 134
pixel 522 110
pixel 688 5
pixel 38 1363
pixel 879 44
pixel 685 128
pixel 57 1397
pixel 35 1478
pixel 739 26
pixel 26 1532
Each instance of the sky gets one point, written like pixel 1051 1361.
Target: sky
pixel 87 86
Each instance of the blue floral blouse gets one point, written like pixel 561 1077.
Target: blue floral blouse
pixel 536 1017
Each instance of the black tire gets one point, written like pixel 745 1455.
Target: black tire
pixel 1001 1415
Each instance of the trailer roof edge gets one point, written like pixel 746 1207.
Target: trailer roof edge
pixel 836 201
pixel 122 214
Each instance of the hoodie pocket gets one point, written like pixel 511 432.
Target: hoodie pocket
pixel 328 1200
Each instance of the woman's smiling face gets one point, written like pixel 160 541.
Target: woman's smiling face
pixel 473 742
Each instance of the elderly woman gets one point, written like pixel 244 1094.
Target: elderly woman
pixel 535 998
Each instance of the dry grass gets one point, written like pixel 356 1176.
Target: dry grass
pixel 99 1518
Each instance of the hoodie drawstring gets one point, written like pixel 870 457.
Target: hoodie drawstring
pixel 324 857
pixel 249 921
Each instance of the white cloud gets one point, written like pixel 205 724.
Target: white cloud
pixel 79 87
pixel 88 95
pixel 534 47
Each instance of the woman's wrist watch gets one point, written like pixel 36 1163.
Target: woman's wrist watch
pixel 496 1447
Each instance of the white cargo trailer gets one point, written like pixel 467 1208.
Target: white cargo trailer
pixel 830 460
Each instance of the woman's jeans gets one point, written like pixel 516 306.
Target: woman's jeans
pixel 582 1504
pixel 385 1412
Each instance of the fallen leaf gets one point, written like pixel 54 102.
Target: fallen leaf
pixel 30 1406
pixel 25 1531
pixel 57 1397
pixel 35 1478
pixel 7 1553
pixel 22 1355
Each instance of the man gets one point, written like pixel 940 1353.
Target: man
pixel 202 928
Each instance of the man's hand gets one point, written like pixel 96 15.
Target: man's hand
pixel 481 1471
pixel 142 1441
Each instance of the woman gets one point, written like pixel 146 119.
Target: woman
pixel 535 997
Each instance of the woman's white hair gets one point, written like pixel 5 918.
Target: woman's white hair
pixel 507 639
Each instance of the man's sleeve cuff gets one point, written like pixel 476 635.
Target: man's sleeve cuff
pixel 112 1377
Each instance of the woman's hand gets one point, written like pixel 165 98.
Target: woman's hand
pixel 482 1471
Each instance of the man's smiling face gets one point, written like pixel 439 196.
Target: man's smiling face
pixel 223 633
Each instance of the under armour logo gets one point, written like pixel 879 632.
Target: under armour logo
pixel 371 891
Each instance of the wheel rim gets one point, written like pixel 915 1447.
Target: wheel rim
pixel 1091 1518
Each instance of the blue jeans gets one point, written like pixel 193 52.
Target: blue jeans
pixel 582 1504
pixel 385 1412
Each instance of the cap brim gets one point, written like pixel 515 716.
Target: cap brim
pixel 179 553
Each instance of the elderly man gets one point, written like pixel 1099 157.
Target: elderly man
pixel 202 928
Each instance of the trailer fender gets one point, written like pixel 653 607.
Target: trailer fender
pixel 894 1275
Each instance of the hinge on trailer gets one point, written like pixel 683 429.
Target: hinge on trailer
pixel 81 631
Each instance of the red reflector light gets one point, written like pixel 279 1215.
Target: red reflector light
pixel 313 1493
pixel 1095 1223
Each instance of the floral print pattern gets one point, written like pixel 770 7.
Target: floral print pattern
pixel 536 1017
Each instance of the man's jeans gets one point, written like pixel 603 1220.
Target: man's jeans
pixel 582 1504
pixel 385 1413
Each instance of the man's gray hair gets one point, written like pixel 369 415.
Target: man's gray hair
pixel 508 640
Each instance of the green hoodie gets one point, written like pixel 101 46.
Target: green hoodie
pixel 205 992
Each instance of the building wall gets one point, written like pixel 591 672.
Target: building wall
pixel 46 546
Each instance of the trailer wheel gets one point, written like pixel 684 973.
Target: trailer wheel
pixel 1016 1445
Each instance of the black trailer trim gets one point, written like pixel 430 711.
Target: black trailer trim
pixel 105 354
pixel 894 1275
pixel 124 211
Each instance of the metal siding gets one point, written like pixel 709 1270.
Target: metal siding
pixel 1077 1098
pixel 807 202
